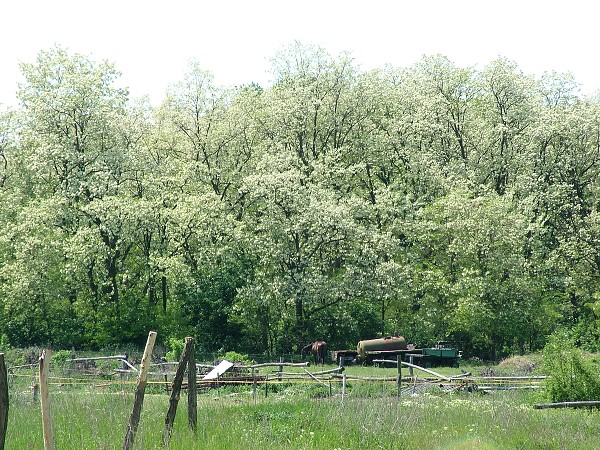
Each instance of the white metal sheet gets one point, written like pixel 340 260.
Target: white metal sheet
pixel 219 370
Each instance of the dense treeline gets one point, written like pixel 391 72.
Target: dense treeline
pixel 436 202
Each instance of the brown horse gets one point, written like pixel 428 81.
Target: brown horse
pixel 318 349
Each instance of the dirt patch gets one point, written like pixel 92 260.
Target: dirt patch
pixel 520 365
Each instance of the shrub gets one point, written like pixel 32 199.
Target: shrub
pixel 238 358
pixel 176 347
pixel 60 357
pixel 571 376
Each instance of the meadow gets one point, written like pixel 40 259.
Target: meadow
pixel 301 415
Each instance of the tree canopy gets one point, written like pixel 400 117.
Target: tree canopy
pixel 434 201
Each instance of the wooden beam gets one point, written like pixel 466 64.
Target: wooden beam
pixel 580 404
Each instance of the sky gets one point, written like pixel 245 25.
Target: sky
pixel 152 42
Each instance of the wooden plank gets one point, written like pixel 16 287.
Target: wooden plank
pixel 357 377
pixel 134 417
pixel 532 378
pixel 315 378
pixel 579 404
pixel 322 372
pixel 286 364
pixel 96 358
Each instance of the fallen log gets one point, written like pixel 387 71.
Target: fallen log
pixel 579 404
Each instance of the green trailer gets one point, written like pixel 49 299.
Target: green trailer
pixel 440 355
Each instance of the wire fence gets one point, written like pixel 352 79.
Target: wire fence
pixel 110 374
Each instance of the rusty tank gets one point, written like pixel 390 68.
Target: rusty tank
pixel 387 345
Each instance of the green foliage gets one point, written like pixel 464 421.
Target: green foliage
pixel 236 357
pixel 434 201
pixel 572 375
pixel 176 347
pixel 4 344
pixel 60 357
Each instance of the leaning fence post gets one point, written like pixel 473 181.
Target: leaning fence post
pixel 192 388
pixel 176 389
pixel 134 417
pixel 45 397
pixel 3 401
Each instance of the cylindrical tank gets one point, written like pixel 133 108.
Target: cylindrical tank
pixel 390 343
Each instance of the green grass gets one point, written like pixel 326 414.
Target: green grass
pixel 302 416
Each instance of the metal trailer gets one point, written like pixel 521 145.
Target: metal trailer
pixel 442 354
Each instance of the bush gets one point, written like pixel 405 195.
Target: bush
pixel 239 358
pixel 571 376
pixel 176 347
pixel 60 357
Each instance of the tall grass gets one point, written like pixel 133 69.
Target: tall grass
pixel 296 416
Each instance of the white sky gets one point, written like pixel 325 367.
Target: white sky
pixel 151 42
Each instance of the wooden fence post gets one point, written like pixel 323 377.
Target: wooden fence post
pixel 266 385
pixel 399 362
pixel 192 388
pixel 254 384
pixel 36 390
pixel 45 397
pixel 134 417
pixel 176 389
pixel 343 387
pixel 280 368
pixel 3 401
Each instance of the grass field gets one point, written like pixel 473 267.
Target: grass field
pixel 301 415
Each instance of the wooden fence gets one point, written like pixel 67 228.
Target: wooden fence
pixel 209 376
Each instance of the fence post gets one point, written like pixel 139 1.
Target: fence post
pixel 176 389
pixel 192 388
pixel 399 363
pixel 45 397
pixel 36 390
pixel 343 387
pixel 266 385
pixel 254 384
pixel 134 417
pixel 280 368
pixel 3 401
